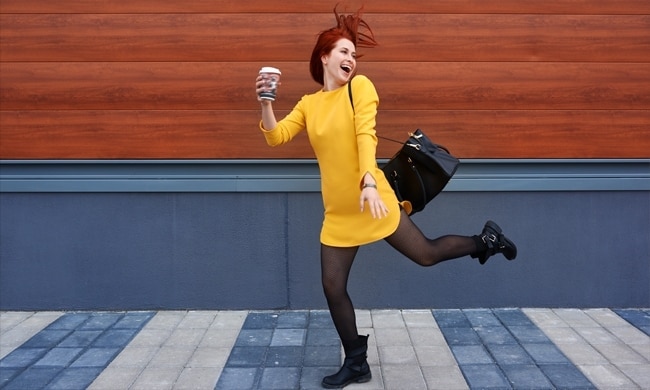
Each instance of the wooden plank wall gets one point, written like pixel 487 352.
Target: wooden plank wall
pixel 149 79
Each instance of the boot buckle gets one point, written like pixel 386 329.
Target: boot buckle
pixel 491 237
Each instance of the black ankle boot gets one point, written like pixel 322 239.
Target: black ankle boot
pixel 355 367
pixel 493 241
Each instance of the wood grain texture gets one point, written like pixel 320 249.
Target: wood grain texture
pixel 620 7
pixel 401 85
pixel 82 79
pixel 174 134
pixel 402 37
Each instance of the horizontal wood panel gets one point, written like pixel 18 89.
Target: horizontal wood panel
pixel 224 86
pixel 169 79
pixel 402 37
pixel 526 133
pixel 234 134
pixel 136 134
pixel 301 6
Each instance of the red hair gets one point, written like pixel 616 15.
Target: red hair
pixel 347 26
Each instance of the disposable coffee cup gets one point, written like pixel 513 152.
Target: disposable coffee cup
pixel 272 76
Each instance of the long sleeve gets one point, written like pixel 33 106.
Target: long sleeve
pixel 366 102
pixel 287 128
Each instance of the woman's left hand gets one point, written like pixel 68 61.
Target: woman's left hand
pixel 377 207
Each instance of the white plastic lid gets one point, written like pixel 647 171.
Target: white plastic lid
pixel 270 69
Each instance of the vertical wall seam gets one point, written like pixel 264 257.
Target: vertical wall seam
pixel 286 252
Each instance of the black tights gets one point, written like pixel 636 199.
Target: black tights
pixel 336 263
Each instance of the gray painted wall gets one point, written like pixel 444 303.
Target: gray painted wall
pixel 260 250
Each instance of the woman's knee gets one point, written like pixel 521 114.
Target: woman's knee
pixel 423 261
pixel 429 262
pixel 334 290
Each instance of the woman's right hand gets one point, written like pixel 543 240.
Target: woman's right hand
pixel 260 83
pixel 268 117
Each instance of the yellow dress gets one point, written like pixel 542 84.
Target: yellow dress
pixel 345 152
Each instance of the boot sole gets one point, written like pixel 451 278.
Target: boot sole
pixel 362 379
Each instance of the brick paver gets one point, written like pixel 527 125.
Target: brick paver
pixel 408 349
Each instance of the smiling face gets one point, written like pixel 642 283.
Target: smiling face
pixel 339 64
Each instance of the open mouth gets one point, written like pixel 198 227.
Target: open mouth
pixel 346 68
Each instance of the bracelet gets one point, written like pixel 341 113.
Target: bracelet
pixel 370 185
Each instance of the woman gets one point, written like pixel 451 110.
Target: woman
pixel 360 206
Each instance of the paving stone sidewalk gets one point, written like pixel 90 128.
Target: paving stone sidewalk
pixel 408 349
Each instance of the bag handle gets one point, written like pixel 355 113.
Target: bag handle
pixel 415 146
pixel 424 191
pixel 350 93
pixel 395 182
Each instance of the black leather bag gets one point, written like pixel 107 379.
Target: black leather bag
pixel 420 170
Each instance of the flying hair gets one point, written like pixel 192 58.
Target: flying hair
pixel 355 26
pixel 351 27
